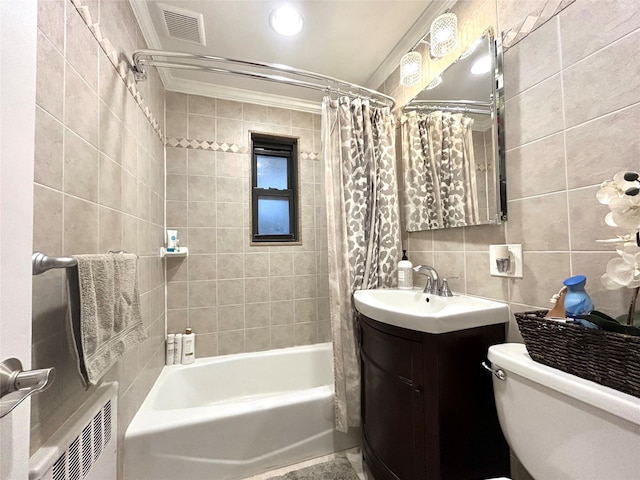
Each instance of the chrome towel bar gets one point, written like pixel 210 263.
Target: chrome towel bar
pixel 41 263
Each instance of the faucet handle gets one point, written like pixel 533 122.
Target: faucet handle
pixel 428 287
pixel 445 291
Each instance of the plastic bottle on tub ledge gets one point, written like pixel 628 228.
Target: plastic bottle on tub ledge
pixel 171 349
pixel 188 347
pixel 178 349
pixel 577 300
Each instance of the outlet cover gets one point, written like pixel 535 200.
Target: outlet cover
pixel 515 254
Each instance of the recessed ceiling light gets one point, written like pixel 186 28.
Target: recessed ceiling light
pixel 481 66
pixel 286 20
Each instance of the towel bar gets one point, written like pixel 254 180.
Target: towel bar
pixel 41 263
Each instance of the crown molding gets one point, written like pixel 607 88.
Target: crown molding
pixel 193 87
pixel 143 17
pixel 181 85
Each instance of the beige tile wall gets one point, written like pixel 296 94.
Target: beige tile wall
pixel 572 104
pixel 238 297
pixel 99 185
pixel 572 115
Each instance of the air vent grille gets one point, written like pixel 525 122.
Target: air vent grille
pixel 85 450
pixel 183 24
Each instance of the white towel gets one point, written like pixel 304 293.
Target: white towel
pixel 104 311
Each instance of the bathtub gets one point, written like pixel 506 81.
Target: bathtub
pixel 234 416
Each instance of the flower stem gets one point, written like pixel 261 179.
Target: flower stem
pixel 632 306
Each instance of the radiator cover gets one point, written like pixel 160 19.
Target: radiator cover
pixel 85 447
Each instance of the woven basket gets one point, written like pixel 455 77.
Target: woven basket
pixel 608 358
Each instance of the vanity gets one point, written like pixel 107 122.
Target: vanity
pixel 428 409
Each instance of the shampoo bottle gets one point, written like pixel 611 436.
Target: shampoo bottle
pixel 172 241
pixel 188 347
pixel 171 338
pixel 405 273
pixel 178 349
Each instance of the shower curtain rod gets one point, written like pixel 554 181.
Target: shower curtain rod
pixel 181 60
pixel 451 108
pixel 467 106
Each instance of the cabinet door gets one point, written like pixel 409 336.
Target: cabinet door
pixel 393 419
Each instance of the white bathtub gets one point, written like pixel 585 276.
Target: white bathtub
pixel 233 416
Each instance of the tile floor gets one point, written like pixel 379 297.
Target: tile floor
pixel 354 455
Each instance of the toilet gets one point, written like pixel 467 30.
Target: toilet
pixel 561 426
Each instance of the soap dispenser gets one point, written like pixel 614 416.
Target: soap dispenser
pixel 405 273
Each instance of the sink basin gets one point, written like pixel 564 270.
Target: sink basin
pixel 428 313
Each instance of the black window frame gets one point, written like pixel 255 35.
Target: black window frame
pixel 281 147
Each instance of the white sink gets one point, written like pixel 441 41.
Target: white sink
pixel 423 312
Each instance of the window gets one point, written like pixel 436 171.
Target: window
pixel 274 196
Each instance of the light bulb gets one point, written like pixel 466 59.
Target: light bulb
pixel 481 66
pixel 410 69
pixel 286 20
pixel 444 35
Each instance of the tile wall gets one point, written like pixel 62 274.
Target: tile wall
pixel 572 115
pixel 569 127
pixel 573 104
pixel 238 297
pixel 99 186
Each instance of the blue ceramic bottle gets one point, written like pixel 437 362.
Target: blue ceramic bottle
pixel 577 301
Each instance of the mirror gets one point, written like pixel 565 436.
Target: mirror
pixel 453 155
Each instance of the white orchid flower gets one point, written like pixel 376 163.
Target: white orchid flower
pixel 623 271
pixel 622 195
pixel 625 211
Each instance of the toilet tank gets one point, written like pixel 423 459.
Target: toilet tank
pixel 563 427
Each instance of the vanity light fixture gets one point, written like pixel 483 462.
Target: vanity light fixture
pixel 443 39
pixel 481 66
pixel 444 35
pixel 286 20
pixel 410 69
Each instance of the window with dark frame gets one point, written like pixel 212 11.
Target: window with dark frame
pixel 274 193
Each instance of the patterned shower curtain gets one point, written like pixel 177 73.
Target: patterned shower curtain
pixel 440 187
pixel 363 228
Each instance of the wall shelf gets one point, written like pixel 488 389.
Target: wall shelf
pixel 180 252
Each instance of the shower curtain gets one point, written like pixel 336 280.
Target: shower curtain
pixel 363 228
pixel 440 188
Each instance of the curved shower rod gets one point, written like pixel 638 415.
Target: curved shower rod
pixel 180 60
pixel 466 106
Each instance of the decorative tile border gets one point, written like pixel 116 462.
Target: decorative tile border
pixel 224 147
pixel 204 145
pixel 122 67
pixel 547 11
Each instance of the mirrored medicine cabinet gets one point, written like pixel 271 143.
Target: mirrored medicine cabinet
pixel 453 155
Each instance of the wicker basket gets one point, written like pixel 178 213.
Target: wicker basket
pixel 608 358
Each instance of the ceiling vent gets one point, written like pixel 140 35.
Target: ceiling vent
pixel 183 24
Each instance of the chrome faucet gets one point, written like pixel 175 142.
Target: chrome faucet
pixel 433 279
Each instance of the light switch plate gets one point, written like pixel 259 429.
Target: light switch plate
pixel 515 253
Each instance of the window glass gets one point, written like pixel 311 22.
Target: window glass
pixel 273 216
pixel 274 189
pixel 272 172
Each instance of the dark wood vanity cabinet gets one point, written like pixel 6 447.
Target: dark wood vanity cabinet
pixel 428 411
